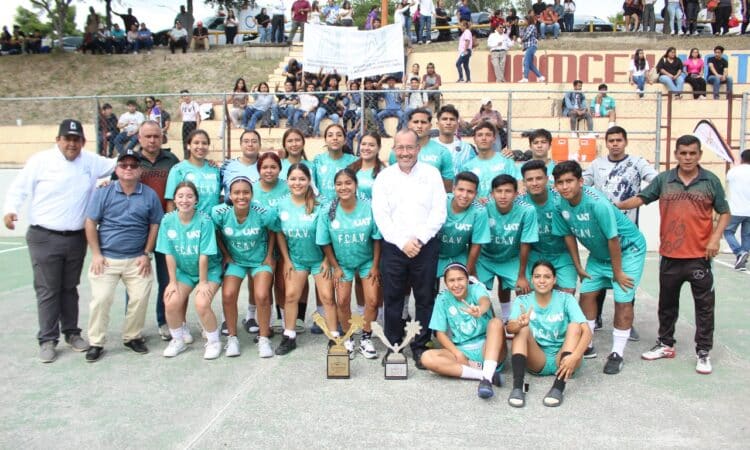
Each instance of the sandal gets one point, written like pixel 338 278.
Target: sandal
pixel 553 398
pixel 517 398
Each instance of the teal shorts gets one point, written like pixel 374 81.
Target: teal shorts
pixel 443 263
pixel 239 271
pixel 474 351
pixel 312 269
pixel 214 276
pixel 567 277
pixel 506 271
pixel 362 271
pixel 633 260
pixel 550 365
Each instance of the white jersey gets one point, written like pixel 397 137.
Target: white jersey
pixel 620 180
pixel 189 111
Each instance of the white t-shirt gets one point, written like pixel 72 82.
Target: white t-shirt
pixel 189 111
pixel 131 122
pixel 738 188
pixel 636 72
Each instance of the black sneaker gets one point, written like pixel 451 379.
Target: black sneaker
pixel 251 326
pixel 485 389
pixel 614 364
pixel 741 261
pixel 94 353
pixel 287 345
pixel 598 323
pixel 590 353
pixel 270 335
pixel 137 345
pixel 224 329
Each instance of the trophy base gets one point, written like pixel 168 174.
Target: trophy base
pixel 396 367
pixel 338 363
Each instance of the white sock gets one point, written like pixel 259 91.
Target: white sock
pixel 405 312
pixel 320 310
pixel 176 333
pixel 471 373
pixel 505 311
pixel 619 339
pixel 488 369
pixel 361 310
pixel 592 324
pixel 185 328
pixel 212 336
pixel 292 334
pixel 335 333
pixel 380 314
pixel 250 312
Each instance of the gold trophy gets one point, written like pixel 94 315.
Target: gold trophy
pixel 338 356
pixel 396 367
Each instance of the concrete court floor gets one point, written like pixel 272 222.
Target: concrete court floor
pixel 131 401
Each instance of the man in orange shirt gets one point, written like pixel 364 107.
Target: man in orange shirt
pixel 549 22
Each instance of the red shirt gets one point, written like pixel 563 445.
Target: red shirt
pixel 298 16
pixel 495 21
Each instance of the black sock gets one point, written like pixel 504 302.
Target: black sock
pixel 560 384
pixel 518 361
pixel 302 311
pixel 278 311
pixel 600 302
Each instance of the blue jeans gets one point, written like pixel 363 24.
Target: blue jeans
pixel 555 28
pixel 528 62
pixel 716 83
pixel 383 113
pixel 407 26
pixel 463 61
pixel 143 43
pixel 321 114
pixel 743 223
pixel 568 19
pixel 425 28
pixel 640 81
pixel 289 112
pixel 674 11
pixel 263 34
pixel 124 142
pixel 673 85
pixel 250 117
pixel 277 28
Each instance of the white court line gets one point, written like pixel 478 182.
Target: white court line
pixel 723 264
pixel 13 249
pixel 9 243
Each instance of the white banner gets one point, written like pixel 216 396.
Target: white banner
pixel 352 52
pixel 712 139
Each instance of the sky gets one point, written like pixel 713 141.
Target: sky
pixel 159 14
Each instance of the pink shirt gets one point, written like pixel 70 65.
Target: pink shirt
pixel 694 65
pixel 464 42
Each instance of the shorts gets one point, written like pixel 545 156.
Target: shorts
pixel 474 351
pixel 443 262
pixel 550 365
pixel 240 271
pixel 633 259
pixel 507 271
pixel 312 269
pixel 349 272
pixel 214 276
pixel 567 277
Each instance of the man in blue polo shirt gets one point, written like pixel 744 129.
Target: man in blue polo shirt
pixel 122 221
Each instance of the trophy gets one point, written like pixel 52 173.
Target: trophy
pixel 338 355
pixel 396 367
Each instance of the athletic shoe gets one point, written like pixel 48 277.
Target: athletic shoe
pixel 590 353
pixel 251 326
pixel 299 326
pixel 164 332
pixel 741 261
pixel 598 323
pixel 634 336
pixel 349 345
pixel 94 353
pixel 485 389
pixel 659 351
pixel 232 348
pixel 77 343
pixel 187 338
pixel 224 329
pixel 614 364
pixel 264 347
pixel 523 80
pixel 703 366
pixel 366 347
pixel 287 345
pixel 213 350
pixel 175 347
pixel 47 352
pixel 315 329
pixel 554 398
pixel 541 79
pixel 517 398
pixel 271 334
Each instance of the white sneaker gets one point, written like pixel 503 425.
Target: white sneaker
pixel 232 348
pixel 367 349
pixel 174 348
pixel 703 366
pixel 264 347
pixel 659 351
pixel 213 350
pixel 349 346
pixel 541 80
pixel 673 33
pixel 186 336
pixel 523 80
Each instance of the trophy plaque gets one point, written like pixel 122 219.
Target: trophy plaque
pixel 396 367
pixel 337 366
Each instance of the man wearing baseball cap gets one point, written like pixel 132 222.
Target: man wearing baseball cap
pixel 58 184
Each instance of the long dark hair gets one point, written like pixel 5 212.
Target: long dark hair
pixel 237 83
pixel 356 166
pixel 335 203
pixel 310 201
pixel 294 131
pixel 345 148
pixel 640 63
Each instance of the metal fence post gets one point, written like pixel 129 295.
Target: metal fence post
pixel 227 124
pixel 743 122
pixel 509 119
pixel 657 143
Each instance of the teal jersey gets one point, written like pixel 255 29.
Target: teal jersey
pixel 488 169
pixel 299 230
pixel 460 230
pixel 324 171
pixel 350 234
pixel 365 181
pixel 187 242
pixel 594 221
pixel 270 199
pixel 285 164
pixel 509 231
pixel 548 244
pixel 206 179
pixel 247 242
pixel 549 325
pixel 435 155
pixel 448 315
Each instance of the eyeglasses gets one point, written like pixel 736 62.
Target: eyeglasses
pixel 410 148
pixel 128 165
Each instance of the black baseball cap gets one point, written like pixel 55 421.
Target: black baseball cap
pixel 71 127
pixel 129 153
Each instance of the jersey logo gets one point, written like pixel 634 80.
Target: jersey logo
pixel 463 226
pixel 190 177
pixel 510 227
pixel 335 224
pixel 172 234
pixel 193 234
pixel 452 311
pixel 228 231
pixel 583 217
pixel 284 216
pixel 362 222
pixel 565 214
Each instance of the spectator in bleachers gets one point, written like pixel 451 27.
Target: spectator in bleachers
pixel 413 72
pixel 5 38
pixel 107 131
pixel 631 12
pixel 128 19
pixel 576 109
pixel 415 99
pixel 191 119
pixel 499 43
pixel 166 120
pixel 286 104
pixel 200 37
pixel 431 81
pixel 393 103
pixel 529 43
pixel 277 21
pixel 263 102
pixel 330 103
pixel 424 31
pixel 718 72
pixel 638 71
pixel 187 20
pixel 401 15
pixel 670 72
pixel 34 43
pixel 497 19
pixel 463 13
pixel 145 39
pixel 674 13
pixel 538 7
pixel 238 100
pixel 153 111
pixel 264 21
pixel 649 16
pixel 308 103
pixel 230 27
pixel 569 10
pixel 346 14
pixel 132 38
pixel 442 19
pixel 723 13
pixel 488 114
pixel 465 46
pixel 119 38
pixel 300 11
pixel 331 13
pixel 604 106
pixel 353 105
pixel 314 16
pixel 695 68
pixel 691 15
pixel 128 124
pixel 91 28
pixel 178 37
pixel 548 22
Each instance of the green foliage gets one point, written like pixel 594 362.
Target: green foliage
pixel 361 10
pixel 32 21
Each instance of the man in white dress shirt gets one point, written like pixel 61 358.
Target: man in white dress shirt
pixel 58 183
pixel 409 206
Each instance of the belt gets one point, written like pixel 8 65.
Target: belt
pixel 500 50
pixel 59 233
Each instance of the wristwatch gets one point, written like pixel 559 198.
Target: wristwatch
pixel 149 255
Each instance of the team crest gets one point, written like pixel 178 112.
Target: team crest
pixel 172 234
pixel 228 231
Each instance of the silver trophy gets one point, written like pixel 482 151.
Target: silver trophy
pixel 396 367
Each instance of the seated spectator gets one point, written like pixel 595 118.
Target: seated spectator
pixel 166 121
pixel 286 104
pixel 695 68
pixel 718 72
pixel 238 99
pixel 352 105
pixel 670 72
pixel 493 116
pixel 308 103
pixel 431 81
pixel 413 72
pixel 200 37
pixel 511 20
pixel 393 102
pixel 330 104
pixel 132 37
pixel 145 39
pixel 638 71
pixel 263 103
pixel 604 106
pixel 548 22
pixel 107 131
pixel 178 37
pixel 153 111
pixel 264 21
pixel 415 99
pixel 5 38
pixel 34 43
pixel 128 124
pixel 119 39
pixel 632 14
pixel 576 109
pixel 293 72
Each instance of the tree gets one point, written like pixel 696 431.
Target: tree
pixel 29 22
pixel 59 13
